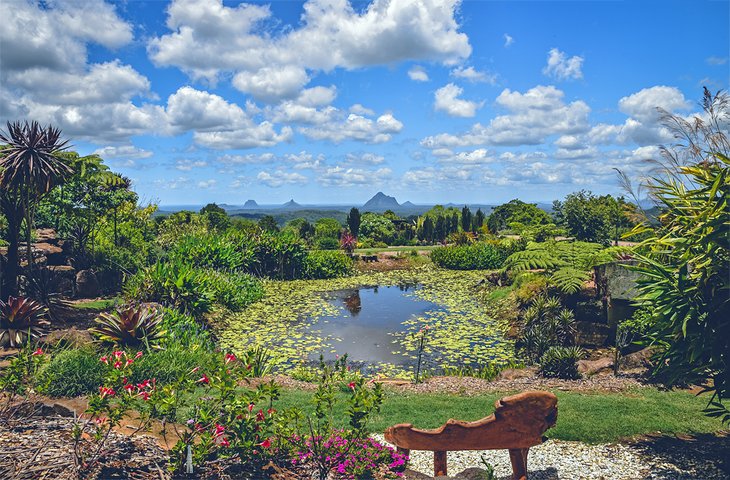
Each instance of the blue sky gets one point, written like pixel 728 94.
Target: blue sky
pixel 327 101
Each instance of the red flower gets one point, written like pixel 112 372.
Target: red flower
pixel 266 443
pixel 204 379
pixel 351 385
pixel 106 391
pixel 104 360
pixel 250 407
pixel 219 429
pixel 260 416
pixel 129 362
pixel 144 384
pixel 129 388
pixel 139 354
pixel 145 395
pixel 224 443
pixel 118 354
pixel 38 352
pixel 194 369
pixel 270 411
pixel 230 358
pixel 117 364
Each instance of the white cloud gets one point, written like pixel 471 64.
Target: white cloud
pixel 317 96
pixel 186 165
pixel 208 38
pixel 122 151
pixel 364 159
pixel 473 157
pixel 348 177
pixel 446 100
pixel 355 127
pixel 474 76
pixel 249 159
pixel 533 116
pixel 418 74
pixel 714 60
pixel 279 177
pixel 304 160
pixel 358 109
pixel 508 40
pixel 563 68
pixel 210 183
pixel 643 104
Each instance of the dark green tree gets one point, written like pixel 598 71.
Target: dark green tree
pixel 516 211
pixel 353 221
pixel 479 218
pixel 466 219
pixel 268 224
pixel 216 217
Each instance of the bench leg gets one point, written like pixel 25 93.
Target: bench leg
pixel 518 457
pixel 439 463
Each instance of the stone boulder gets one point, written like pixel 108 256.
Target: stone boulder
pixel 593 367
pixel 517 373
pixel 640 359
pixel 592 334
pixel 87 285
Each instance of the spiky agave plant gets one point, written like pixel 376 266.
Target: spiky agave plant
pixel 20 318
pixel 132 326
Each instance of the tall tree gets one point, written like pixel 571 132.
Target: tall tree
pixel 466 219
pixel 353 221
pixel 30 167
pixel 478 219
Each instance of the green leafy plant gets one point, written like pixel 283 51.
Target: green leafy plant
pixel 545 324
pixel 561 362
pixel 258 361
pixel 133 326
pixel 71 373
pixel 327 264
pixel 21 319
pixel 478 256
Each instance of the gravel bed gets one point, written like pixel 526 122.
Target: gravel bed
pixel 556 459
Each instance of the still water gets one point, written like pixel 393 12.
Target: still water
pixel 370 321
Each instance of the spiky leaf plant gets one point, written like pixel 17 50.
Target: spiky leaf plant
pixel 561 362
pixel 132 326
pixel 21 317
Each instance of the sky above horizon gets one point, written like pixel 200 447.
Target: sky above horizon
pixel 329 101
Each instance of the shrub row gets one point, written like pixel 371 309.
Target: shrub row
pixel 478 256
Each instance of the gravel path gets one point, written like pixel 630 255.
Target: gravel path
pixel 557 459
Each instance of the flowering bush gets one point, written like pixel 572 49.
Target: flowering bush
pixel 353 458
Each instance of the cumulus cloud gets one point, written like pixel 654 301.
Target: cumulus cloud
pixel 418 74
pixel 355 127
pixel 508 40
pixel 210 183
pixel 122 151
pixel 339 176
pixel 208 38
pixel 279 177
pixel 446 100
pixel 533 116
pixel 364 159
pixel 474 76
pixel 186 165
pixel 561 67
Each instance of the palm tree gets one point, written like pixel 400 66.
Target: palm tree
pixel 29 168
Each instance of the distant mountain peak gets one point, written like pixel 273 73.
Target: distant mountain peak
pixel 250 204
pixel 381 202
pixel 291 204
pixel 407 203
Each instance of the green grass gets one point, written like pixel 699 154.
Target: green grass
pixel 586 417
pixel 370 251
pixel 96 305
pixel 499 293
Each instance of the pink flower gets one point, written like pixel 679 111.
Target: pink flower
pixel 145 395
pixel 266 443
pixel 230 358
pixel 117 364
pixel 219 429
pixel 129 362
pixel 139 354
pixel 194 369
pixel 351 385
pixel 250 407
pixel 38 352
pixel 104 360
pixel 223 442
pixel 129 388
pixel 144 384
pixel 118 354
pixel 260 416
pixel 204 379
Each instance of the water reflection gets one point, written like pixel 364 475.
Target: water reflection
pixel 369 319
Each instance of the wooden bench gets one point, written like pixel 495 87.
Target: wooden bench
pixel 518 423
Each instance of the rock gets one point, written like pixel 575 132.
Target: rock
pixel 592 334
pixel 592 367
pixel 87 285
pixel 45 234
pixel 53 253
pixel 515 373
pixel 640 359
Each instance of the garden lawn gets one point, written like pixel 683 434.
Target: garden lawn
pixel 587 417
pixel 403 248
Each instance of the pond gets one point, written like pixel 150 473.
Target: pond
pixel 374 318
pixel 370 323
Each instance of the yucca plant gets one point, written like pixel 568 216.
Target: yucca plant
pixel 561 362
pixel 21 318
pixel 546 324
pixel 132 326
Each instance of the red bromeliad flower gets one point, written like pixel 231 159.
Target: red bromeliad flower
pixel 270 411
pixel 129 362
pixel 204 379
pixel 194 369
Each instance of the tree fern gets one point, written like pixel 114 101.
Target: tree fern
pixel 570 280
